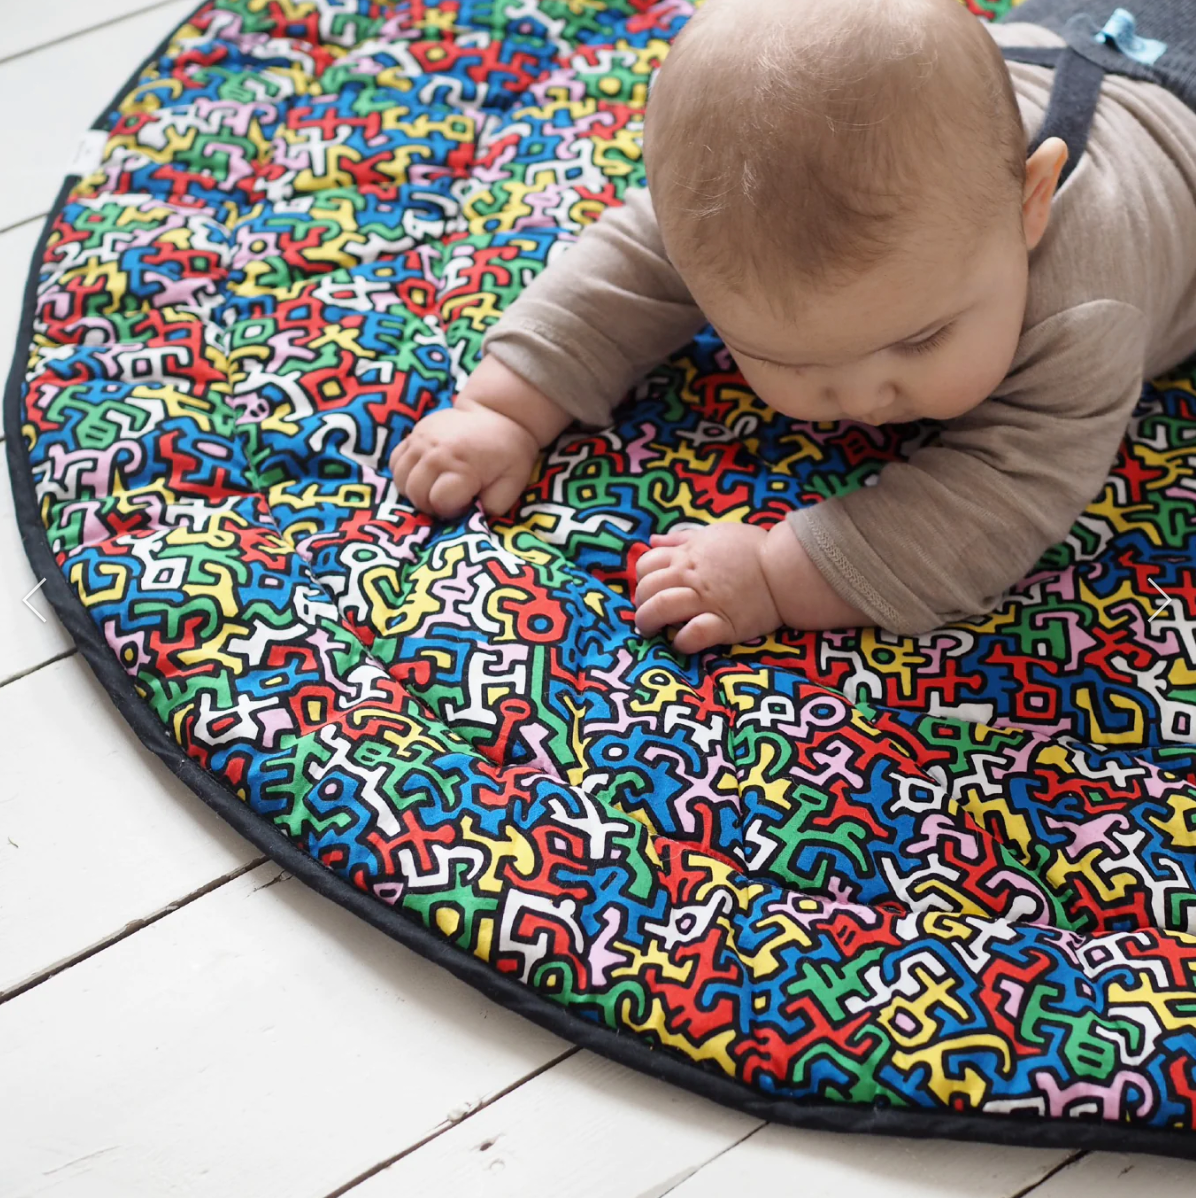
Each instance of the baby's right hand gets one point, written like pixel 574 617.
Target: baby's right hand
pixel 473 449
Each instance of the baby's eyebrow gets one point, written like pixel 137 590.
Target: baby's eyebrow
pixel 934 324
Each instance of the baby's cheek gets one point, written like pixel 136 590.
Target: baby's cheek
pixel 763 381
pixel 781 397
pixel 958 389
pixel 791 398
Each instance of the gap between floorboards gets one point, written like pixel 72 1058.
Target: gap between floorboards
pixel 129 929
pixel 68 37
pixel 449 1124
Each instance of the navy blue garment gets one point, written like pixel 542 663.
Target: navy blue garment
pixel 1154 40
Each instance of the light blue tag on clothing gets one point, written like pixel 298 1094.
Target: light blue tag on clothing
pixel 1119 29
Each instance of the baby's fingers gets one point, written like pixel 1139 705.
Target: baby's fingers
pixel 401 461
pixel 500 495
pixel 451 494
pixel 674 605
pixel 655 559
pixel 416 486
pixel 656 581
pixel 703 632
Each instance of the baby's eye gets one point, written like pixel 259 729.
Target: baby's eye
pixel 931 342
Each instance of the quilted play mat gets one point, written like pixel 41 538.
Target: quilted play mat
pixel 934 885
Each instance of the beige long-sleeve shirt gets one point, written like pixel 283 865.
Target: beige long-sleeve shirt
pixel 940 536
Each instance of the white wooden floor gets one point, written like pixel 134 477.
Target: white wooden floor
pixel 178 1017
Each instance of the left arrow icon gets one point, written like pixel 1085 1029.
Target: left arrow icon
pixel 40 583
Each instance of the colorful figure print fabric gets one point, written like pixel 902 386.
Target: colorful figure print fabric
pixel 951 874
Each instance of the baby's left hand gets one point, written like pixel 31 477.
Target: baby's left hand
pixel 709 579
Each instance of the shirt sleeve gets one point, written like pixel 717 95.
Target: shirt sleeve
pixel 600 315
pixel 942 536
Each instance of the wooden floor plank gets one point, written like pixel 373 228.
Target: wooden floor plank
pixel 834 1165
pixel 16 256
pixel 95 832
pixel 29 26
pixel 260 1041
pixel 586 1128
pixel 25 641
pixel 1116 1175
pixel 58 92
pixel 589 1128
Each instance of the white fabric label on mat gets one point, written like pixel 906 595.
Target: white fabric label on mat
pixel 90 153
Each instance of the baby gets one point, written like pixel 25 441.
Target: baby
pixel 841 188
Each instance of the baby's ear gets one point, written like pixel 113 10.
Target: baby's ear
pixel 1043 168
pixel 1046 163
pixel 1059 151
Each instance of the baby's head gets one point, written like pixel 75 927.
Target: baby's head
pixel 843 186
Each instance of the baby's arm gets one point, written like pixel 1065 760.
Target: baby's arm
pixel 603 312
pixel 941 536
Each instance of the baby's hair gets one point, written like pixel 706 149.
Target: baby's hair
pixel 793 145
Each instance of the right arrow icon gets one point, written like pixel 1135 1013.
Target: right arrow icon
pixel 1169 599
